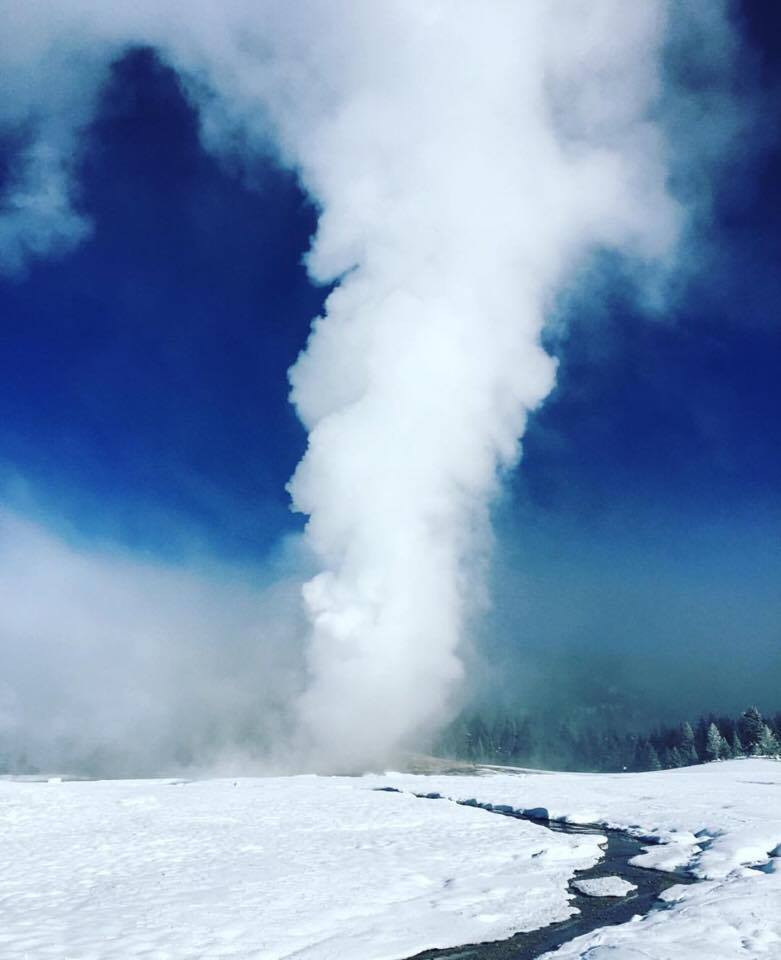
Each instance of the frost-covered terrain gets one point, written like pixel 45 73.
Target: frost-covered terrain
pixel 303 866
pixel 311 867
pixel 717 819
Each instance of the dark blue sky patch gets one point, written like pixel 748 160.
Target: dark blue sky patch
pixel 148 369
pixel 680 409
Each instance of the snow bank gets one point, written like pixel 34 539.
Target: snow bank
pixel 738 917
pixel 713 818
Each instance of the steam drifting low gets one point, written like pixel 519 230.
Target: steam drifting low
pixel 465 158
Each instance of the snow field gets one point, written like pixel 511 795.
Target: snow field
pixel 266 868
pixel 319 868
pixel 718 819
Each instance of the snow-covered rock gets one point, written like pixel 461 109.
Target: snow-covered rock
pixel 604 887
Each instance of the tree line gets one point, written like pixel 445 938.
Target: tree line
pixel 506 738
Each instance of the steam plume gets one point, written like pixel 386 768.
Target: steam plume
pixel 465 158
pixel 114 665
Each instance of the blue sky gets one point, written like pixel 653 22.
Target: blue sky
pixel 145 373
pixel 143 399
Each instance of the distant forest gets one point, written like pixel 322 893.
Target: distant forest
pixel 525 741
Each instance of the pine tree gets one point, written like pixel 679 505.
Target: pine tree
pixel 775 726
pixel 736 746
pixel 750 727
pixel 713 741
pixel 653 758
pixel 768 745
pixel 686 746
pixel 701 733
pixel 675 758
pixel 617 754
pixel 727 725
pixel 508 737
pixel 644 756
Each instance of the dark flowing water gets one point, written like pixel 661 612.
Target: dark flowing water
pixel 594 912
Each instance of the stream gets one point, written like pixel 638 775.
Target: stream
pixel 594 912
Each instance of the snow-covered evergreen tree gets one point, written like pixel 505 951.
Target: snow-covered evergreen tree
pixel 768 745
pixel 675 758
pixel 646 757
pixel 575 743
pixel 654 763
pixel 687 748
pixel 713 743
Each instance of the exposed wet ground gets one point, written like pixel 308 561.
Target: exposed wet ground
pixel 594 912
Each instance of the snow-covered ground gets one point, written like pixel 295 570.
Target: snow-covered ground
pixel 717 819
pixel 311 867
pixel 304 866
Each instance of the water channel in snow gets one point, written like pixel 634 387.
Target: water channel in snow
pixel 594 912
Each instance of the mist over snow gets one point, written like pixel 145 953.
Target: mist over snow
pixel 466 160
pixel 115 665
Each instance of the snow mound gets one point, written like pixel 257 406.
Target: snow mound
pixel 604 887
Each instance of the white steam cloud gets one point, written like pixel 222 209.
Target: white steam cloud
pixel 465 158
pixel 110 664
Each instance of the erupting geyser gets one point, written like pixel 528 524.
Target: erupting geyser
pixel 464 157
